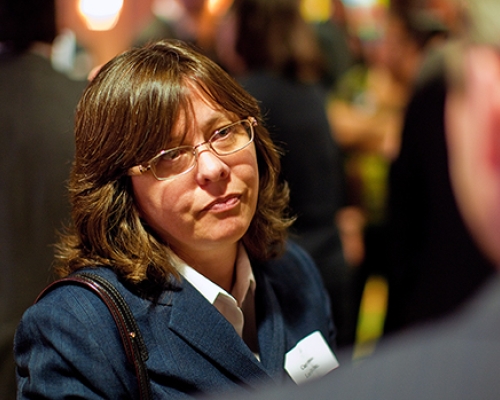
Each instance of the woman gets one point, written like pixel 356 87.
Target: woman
pixel 175 201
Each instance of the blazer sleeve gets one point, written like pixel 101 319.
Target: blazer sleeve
pixel 63 349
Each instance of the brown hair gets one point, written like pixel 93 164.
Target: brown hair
pixel 125 115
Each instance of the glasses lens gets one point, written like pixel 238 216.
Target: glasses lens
pixel 170 163
pixel 232 138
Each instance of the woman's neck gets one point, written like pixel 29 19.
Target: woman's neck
pixel 218 266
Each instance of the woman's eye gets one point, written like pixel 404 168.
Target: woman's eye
pixel 171 155
pixel 224 132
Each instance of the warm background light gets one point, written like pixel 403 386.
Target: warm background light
pixel 218 7
pixel 316 10
pixel 100 15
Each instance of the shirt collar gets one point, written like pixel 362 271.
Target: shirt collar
pixel 244 279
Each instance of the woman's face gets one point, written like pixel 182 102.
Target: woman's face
pixel 211 206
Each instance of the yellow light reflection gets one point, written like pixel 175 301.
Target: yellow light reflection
pixel 218 7
pixel 100 15
pixel 315 10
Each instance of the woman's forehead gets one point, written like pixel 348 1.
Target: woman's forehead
pixel 200 110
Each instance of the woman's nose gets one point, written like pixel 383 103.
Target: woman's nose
pixel 210 167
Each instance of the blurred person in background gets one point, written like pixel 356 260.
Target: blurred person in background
pixel 368 111
pixel 336 43
pixel 434 265
pixel 283 72
pixel 36 149
pixel 196 22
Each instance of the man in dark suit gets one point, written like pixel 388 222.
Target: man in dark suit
pixel 36 148
pixel 457 358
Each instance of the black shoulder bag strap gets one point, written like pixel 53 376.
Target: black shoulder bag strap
pixel 134 345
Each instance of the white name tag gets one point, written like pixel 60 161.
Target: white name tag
pixel 310 359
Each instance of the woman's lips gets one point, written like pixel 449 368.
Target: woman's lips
pixel 223 204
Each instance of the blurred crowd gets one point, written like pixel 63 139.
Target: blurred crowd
pixel 355 99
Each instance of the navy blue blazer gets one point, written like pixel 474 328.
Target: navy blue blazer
pixel 67 344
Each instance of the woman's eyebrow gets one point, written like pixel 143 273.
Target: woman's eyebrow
pixel 208 128
pixel 216 122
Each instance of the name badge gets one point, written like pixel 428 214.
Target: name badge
pixel 310 359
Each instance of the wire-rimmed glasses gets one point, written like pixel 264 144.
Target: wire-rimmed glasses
pixel 168 164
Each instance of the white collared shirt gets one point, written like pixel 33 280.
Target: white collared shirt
pixel 235 306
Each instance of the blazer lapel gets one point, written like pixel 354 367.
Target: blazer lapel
pixel 211 334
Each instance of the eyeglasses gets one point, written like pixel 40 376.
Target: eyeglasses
pixel 168 164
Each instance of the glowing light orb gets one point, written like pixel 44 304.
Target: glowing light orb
pixel 100 15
